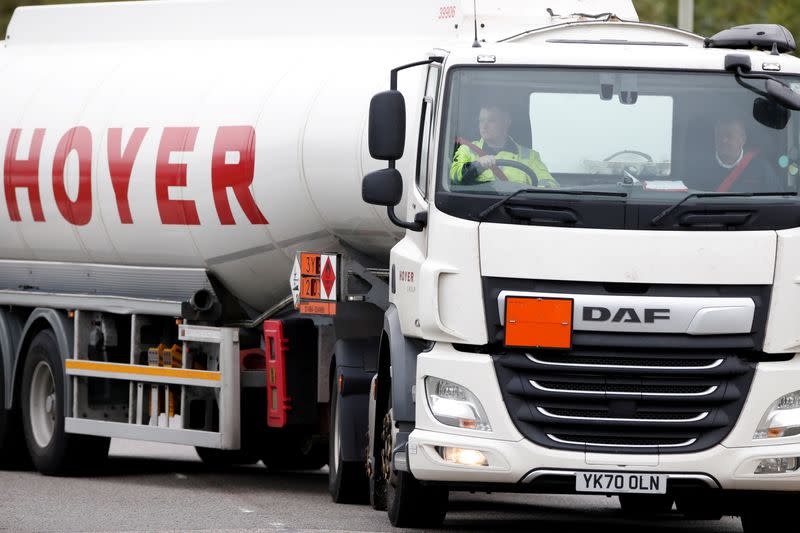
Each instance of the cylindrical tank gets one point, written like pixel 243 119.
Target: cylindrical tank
pixel 214 151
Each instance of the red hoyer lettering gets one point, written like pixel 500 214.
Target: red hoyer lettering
pixel 407 275
pixel 23 173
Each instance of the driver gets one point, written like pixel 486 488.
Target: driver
pixel 475 162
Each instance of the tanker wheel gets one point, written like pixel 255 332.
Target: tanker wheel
pixel 347 480
pixel 223 458
pixel 409 502
pixel 52 450
pixel 13 454
pixel 644 505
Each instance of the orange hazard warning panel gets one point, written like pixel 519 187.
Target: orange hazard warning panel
pixel 315 283
pixel 533 322
pixel 309 288
pixel 310 264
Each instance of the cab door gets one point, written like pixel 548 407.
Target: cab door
pixel 411 252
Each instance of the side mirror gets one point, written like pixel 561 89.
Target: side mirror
pixel 382 187
pixel 387 126
pixel 783 95
pixel 770 114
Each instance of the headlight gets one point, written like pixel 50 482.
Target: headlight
pixel 455 405
pixel 782 419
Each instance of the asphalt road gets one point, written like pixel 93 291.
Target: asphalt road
pixel 157 487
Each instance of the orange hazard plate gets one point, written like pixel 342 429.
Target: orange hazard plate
pixel 318 308
pixel 533 322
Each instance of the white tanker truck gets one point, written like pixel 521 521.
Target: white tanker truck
pixel 628 329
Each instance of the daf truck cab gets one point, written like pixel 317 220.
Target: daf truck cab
pixel 629 331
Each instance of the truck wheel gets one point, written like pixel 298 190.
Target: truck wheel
pixel 222 458
pixel 644 505
pixel 13 454
pixel 410 503
pixel 347 480
pixel 53 451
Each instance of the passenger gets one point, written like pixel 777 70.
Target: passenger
pixel 734 169
pixel 475 162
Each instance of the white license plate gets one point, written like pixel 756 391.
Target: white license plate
pixel 615 482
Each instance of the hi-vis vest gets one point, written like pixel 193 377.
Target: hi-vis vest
pixel 524 155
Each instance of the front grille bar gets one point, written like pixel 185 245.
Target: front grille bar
pixel 706 392
pixel 697 418
pixel 621 445
pixel 539 361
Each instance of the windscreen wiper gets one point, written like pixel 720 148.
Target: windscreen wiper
pixel 483 214
pixel 659 217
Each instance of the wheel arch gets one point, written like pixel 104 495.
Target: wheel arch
pixel 10 334
pixel 63 329
pixel 355 360
pixel 398 353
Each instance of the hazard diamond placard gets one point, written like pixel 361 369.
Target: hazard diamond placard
pixel 328 277
pixel 315 283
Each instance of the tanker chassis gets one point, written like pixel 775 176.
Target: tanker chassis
pixel 616 317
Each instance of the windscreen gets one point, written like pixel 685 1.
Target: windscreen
pixel 652 136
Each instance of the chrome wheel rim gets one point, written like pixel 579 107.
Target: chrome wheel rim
pixel 42 404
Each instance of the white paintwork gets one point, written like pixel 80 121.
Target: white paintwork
pixel 221 19
pixel 783 333
pixel 511 457
pixel 694 316
pixel 450 283
pixel 622 256
pixel 307 105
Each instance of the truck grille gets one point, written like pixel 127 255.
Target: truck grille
pixel 624 401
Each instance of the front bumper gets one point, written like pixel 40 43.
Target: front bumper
pixel 514 460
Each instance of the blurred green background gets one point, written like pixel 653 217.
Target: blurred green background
pixel 710 16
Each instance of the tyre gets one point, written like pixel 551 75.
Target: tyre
pixel 347 480
pixel 645 505
pixel 13 454
pixel 409 502
pixel 222 458
pixel 52 450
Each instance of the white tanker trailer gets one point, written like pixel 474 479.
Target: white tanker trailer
pixel 577 274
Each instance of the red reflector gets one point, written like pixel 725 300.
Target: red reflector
pixel 276 346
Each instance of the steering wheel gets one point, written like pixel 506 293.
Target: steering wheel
pixel 519 166
pixel 631 172
pixel 643 155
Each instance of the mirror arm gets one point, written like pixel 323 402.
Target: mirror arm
pixel 420 220
pixel 749 87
